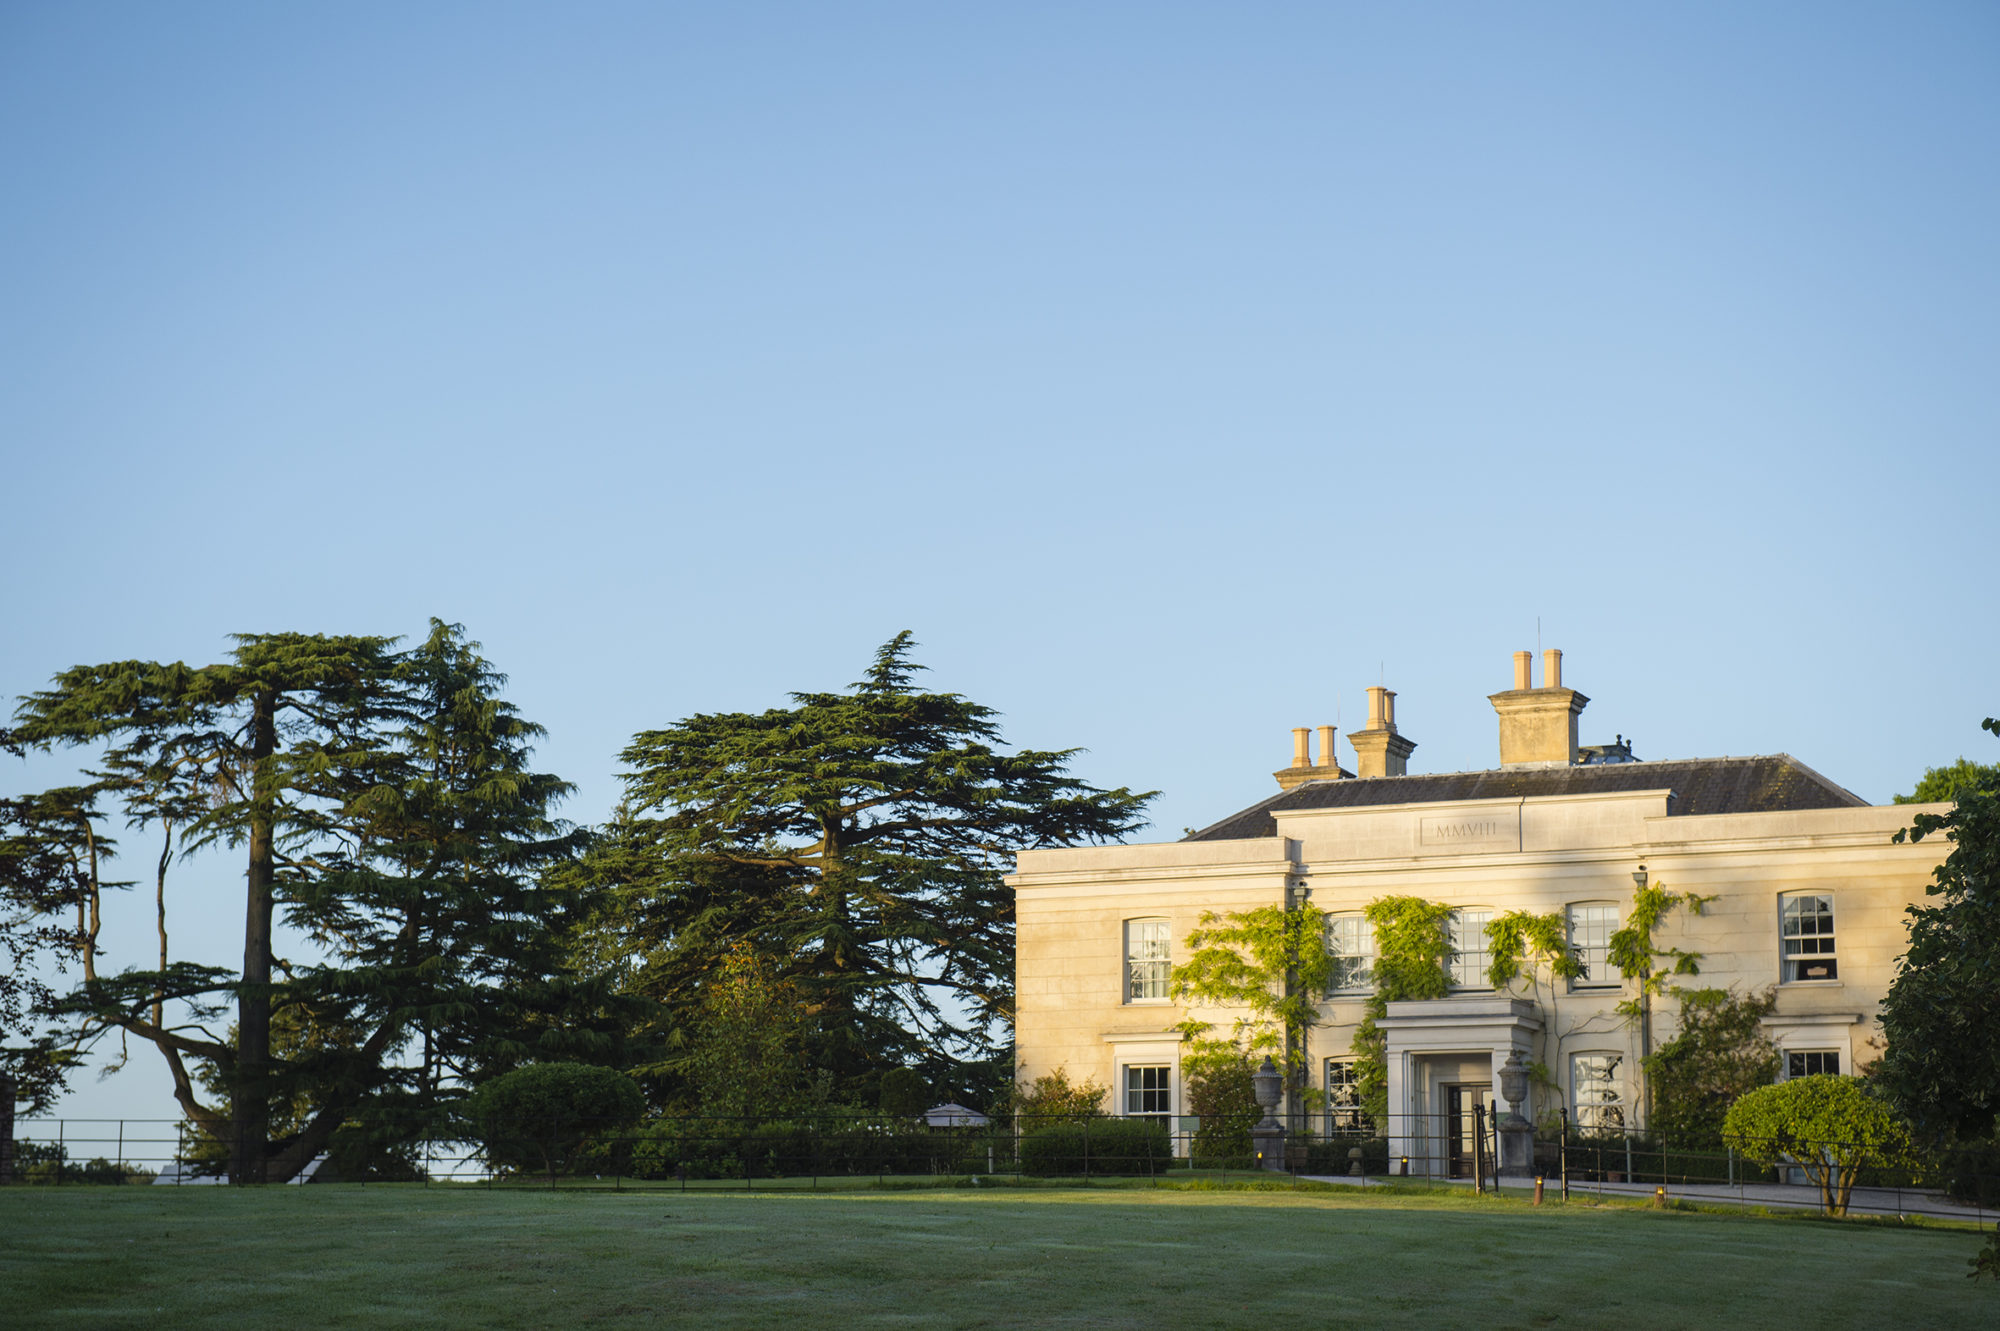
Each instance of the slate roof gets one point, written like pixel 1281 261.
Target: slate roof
pixel 1773 783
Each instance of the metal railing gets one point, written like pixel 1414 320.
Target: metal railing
pixel 831 1151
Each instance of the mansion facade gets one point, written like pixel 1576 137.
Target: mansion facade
pixel 1807 890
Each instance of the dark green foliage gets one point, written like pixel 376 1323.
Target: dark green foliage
pixel 1052 1098
pixel 1942 1065
pixel 1986 1262
pixel 1272 965
pixel 857 840
pixel 709 1148
pixel 1330 1156
pixel 1831 1127
pixel 539 1117
pixel 1413 961
pixel 1101 1146
pixel 1941 785
pixel 904 1092
pixel 1720 1055
pixel 48 1163
pixel 384 802
pixel 1220 1092
pixel 44 905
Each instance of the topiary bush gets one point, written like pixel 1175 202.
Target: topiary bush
pixel 1103 1146
pixel 546 1116
pixel 1831 1127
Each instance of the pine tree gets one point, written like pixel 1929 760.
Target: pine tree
pixel 383 799
pixel 856 839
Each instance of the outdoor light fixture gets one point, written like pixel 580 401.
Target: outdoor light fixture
pixel 1639 877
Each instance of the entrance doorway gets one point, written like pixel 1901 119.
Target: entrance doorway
pixel 1459 1124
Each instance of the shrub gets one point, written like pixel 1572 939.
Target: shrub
pixel 544 1115
pixel 1221 1093
pixel 1720 1055
pixel 1051 1099
pixel 1101 1146
pixel 1330 1156
pixel 699 1148
pixel 1829 1126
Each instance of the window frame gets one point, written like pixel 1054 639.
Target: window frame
pixel 1345 1117
pixel 1830 956
pixel 1587 984
pixel 1128 969
pixel 1617 1105
pixel 1363 979
pixel 1480 983
pixel 1164 1089
pixel 1785 1064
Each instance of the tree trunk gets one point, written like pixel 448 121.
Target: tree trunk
pixel 252 1093
pixel 6 1129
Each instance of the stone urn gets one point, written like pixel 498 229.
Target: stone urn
pixel 1516 1133
pixel 1268 1137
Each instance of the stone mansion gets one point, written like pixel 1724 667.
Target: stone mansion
pixel 1808 896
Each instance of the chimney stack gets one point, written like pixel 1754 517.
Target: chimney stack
pixel 1524 669
pixel 1303 768
pixel 1379 750
pixel 1538 726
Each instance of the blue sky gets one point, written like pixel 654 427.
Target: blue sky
pixel 1173 372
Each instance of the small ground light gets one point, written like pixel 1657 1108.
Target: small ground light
pixel 1659 1196
pixel 1538 1189
pixel 1406 1166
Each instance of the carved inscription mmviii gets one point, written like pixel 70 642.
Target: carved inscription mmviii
pixel 1472 831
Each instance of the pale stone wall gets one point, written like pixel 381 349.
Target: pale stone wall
pixel 1529 854
pixel 1070 911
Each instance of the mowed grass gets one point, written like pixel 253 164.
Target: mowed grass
pixel 463 1257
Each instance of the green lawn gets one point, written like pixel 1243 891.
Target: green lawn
pixel 467 1257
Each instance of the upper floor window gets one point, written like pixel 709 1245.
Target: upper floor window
pixel 1147 960
pixel 1805 928
pixel 1350 939
pixel 1591 925
pixel 1472 953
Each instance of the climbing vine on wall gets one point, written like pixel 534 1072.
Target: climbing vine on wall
pixel 1531 947
pixel 1413 955
pixel 1637 957
pixel 1271 964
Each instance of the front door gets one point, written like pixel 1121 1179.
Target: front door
pixel 1459 1124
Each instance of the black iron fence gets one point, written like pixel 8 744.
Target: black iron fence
pixel 831 1151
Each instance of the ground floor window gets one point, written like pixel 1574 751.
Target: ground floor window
pixel 1344 1115
pixel 1596 1092
pixel 1812 1063
pixel 1149 1091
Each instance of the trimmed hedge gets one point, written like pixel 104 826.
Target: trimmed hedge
pixel 698 1148
pixel 1101 1146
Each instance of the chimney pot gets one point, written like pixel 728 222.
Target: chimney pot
pixel 1378 707
pixel 1301 744
pixel 1524 669
pixel 1329 756
pixel 1538 726
pixel 1379 750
